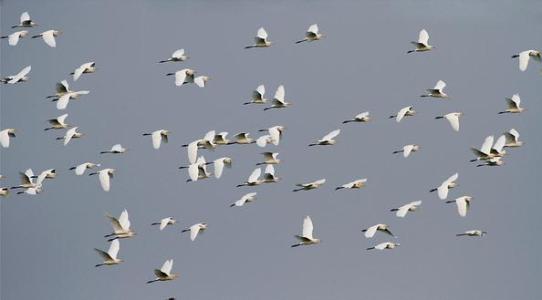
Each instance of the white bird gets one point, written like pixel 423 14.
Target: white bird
pixel 407 111
pixel 201 81
pixel 487 151
pixel 86 68
pixel 361 118
pixel 260 41
pixel 198 170
pixel 243 138
pixel 13 38
pixel 328 139
pixel 178 55
pixel 258 96
pixel 62 102
pixel 513 105
pixel 524 57
pixel 195 230
pixel 492 162
pixel 445 186
pixel 463 204
pixel 208 141
pixel 5 137
pixel 437 91
pixel 27 180
pixel 158 136
pixel 121 226
pixel 263 140
pixel 104 176
pixel 356 184
pixel 310 186
pixel 219 164
pixel 19 77
pixel 25 21
pixel 110 257
pixel 70 134
pixel 423 42
pixel 269 175
pixel 4 191
pixel 371 231
pixel 49 37
pixel 408 149
pixel 512 138
pixel 497 149
pixel 58 122
pixel 61 88
pixel 312 34
pixel 183 76
pixel 47 174
pixel 402 211
pixel 221 138
pixel 250 197
pixel 279 100
pixel 165 222
pixel 253 179
pixel 269 158
pixel 453 119
pixel 384 246
pixel 115 149
pixel 274 136
pixel 475 232
pixel 164 273
pixel 81 168
pixel 192 151
pixel 31 187
pixel 306 237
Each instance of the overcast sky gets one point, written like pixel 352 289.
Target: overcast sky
pixel 47 240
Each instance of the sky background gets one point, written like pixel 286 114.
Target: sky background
pixel 47 240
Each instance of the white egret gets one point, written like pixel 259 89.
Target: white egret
pixel 310 186
pixel 165 222
pixel 25 21
pixel 384 246
pixel 512 138
pixel 86 68
pixel 513 105
pixel 253 179
pixel 4 191
pixel 81 168
pixel 260 41
pixel 492 162
pixel 407 111
pixel 121 226
pixel 443 188
pixel 110 257
pixel 423 42
pixel 183 76
pixel 356 184
pixel 242 138
pixel 312 34
pixel 5 137
pixel 306 238
pixel 402 211
pixel 453 119
pixel 49 37
pixel 437 91
pixel 250 197
pixel 164 273
pixel 278 100
pixel 177 56
pixel 475 232
pixel 19 77
pixel 219 164
pixel 13 38
pixel 524 57
pixel 328 139
pixel 371 231
pixel 158 136
pixel 463 204
pixel 258 96
pixel 62 102
pixel 58 122
pixel 71 134
pixel 361 118
pixel 221 138
pixel 408 149
pixel 195 230
pixel 485 150
pixel 201 81
pixel 269 158
pixel 198 170
pixel 27 180
pixel 61 88
pixel 115 149
pixel 104 176
pixel 269 175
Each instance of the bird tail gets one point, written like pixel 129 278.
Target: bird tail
pixel 397 151
pixel 185 230
pixel 295 245
pixel 515 56
pixel 339 187
pixel 99 265
pixel 410 51
pixel 73 168
pixel 432 190
pixel 4 37
pixel 151 281
pixel 36 36
pixel 371 248
pixel 394 209
pixel 301 41
pixel 310 145
pixel 232 205
pixel 460 234
pixel 248 47
pixel 348 121
pixel 163 61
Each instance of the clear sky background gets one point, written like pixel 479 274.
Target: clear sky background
pixel 47 240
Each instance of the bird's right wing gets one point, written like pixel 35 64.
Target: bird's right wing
pixel 255 175
pixel 423 37
pixel 63 101
pixel 114 248
pixel 486 146
pixel 104 181
pixel 524 60
pixel 370 232
pixel 307 227
pixel 80 169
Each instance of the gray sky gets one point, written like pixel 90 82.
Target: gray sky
pixel 47 240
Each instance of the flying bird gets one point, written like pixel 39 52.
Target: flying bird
pixel 360 118
pixel 242 138
pixel 104 176
pixel 512 138
pixel 25 21
pixel 115 149
pixel 58 123
pixel 258 96
pixel 402 211
pixel 269 158
pixel 110 257
pixel 121 226
pixel 86 68
pixel 164 273
pixel 306 238
pixel 356 184
pixel 177 56
pixel 407 111
pixel 219 164
pixel 408 149
pixel 269 175
pixel 260 41
pixel 81 168
pixel 183 76
pixel 463 204
pixel 70 134
pixel 195 230
pixel 453 119
pixel 423 42
pixel 165 222
pixel 22 76
pixel 5 137
pixel 445 186
pixel 328 139
pixel 513 105
pixel 312 34
pixel 278 100
pixel 253 179
pixel 13 38
pixel 384 246
pixel 247 198
pixel 437 91
pixel 310 186
pixel 158 136
pixel 49 37
pixel 524 57
pixel 62 102
pixel 475 232
pixel 371 231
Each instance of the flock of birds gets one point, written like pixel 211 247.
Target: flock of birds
pixel 491 152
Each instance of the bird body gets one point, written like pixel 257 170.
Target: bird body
pixel 195 230
pixel 356 184
pixel 463 204
pixel 260 41
pixel 110 257
pixel 310 186
pixel 121 226
pixel 312 34
pixel 402 211
pixel 13 38
pixel 328 139
pixel 49 37
pixel 5 137
pixel 422 44
pixel 164 273
pixel 247 198
pixel 452 118
pixel 306 238
pixel 371 231
pixel 104 176
pixel 525 56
